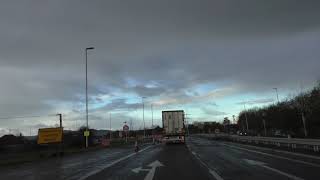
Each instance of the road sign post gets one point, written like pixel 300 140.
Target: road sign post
pixel 86 134
pixel 50 135
pixel 126 130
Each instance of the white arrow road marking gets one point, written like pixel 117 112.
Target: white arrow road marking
pixel 153 166
pixel 101 168
pixel 151 172
pixel 137 170
pixel 262 164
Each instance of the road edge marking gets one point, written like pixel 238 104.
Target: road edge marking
pixel 264 165
pixel 212 172
pixel 282 173
pixel 271 155
pixel 279 151
pixel 101 168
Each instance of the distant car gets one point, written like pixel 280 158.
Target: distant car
pixel 217 131
pixel 243 133
pixel 279 133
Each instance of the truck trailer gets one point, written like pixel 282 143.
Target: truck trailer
pixel 173 126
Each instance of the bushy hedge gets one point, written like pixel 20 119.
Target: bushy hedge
pixel 287 116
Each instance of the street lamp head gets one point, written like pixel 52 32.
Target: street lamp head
pixel 89 48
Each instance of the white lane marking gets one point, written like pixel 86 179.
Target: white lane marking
pixel 151 171
pixel 212 172
pixel 137 170
pixel 275 156
pixel 100 168
pixel 285 152
pixel 153 166
pixel 215 175
pixel 262 164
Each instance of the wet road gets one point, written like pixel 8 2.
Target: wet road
pixel 71 167
pixel 176 163
pixel 199 159
pixel 237 161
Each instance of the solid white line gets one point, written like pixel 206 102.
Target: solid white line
pixel 275 156
pixel 212 172
pixel 285 152
pixel 101 168
pixel 282 173
pixel 215 175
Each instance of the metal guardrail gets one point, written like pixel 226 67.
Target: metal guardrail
pixel 310 144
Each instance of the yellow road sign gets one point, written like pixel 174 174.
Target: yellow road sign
pixel 86 133
pixel 50 135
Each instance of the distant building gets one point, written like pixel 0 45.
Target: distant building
pixel 100 133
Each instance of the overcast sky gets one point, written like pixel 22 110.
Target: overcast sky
pixel 204 56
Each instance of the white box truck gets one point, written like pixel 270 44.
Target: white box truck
pixel 173 126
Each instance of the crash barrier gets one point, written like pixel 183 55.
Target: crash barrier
pixel 294 143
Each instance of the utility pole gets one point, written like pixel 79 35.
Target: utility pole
pixel 245 114
pixel 304 124
pixel 144 123
pixel 187 122
pixel 60 122
pixel 125 132
pixel 276 89
pixel 60 119
pixel 234 120
pixel 110 126
pixel 303 111
pixel 152 115
pixel 264 126
pixel 264 123
pixel 87 128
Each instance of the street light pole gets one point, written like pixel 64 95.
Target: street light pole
pixel 152 115
pixel 144 123
pixel 110 126
pixel 234 120
pixel 187 122
pixel 60 119
pixel 245 114
pixel 304 124
pixel 276 89
pixel 264 124
pixel 87 128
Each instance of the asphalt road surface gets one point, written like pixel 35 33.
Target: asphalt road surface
pixel 198 159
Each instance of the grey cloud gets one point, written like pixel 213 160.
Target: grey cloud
pixel 120 104
pixel 212 112
pixel 145 91
pixel 257 101
pixel 178 44
pixel 214 104
pixel 41 125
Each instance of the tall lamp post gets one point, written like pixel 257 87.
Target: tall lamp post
pixel 110 126
pixel 152 115
pixel 264 123
pixel 144 123
pixel 245 114
pixel 87 128
pixel 276 89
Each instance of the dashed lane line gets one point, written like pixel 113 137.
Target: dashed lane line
pixel 101 168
